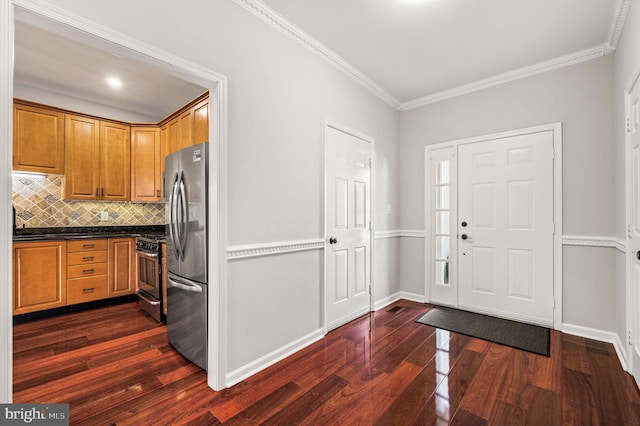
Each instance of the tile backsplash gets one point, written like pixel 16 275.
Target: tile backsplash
pixel 39 203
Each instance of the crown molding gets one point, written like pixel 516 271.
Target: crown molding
pixel 542 67
pixel 617 23
pixel 277 21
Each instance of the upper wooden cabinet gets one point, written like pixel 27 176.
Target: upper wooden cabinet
pixel 188 127
pixel 115 161
pixel 168 139
pixel 97 159
pixel 146 164
pixel 38 139
pixel 201 122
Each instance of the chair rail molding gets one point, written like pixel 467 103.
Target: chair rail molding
pixel 266 249
pixel 591 241
pixel 399 233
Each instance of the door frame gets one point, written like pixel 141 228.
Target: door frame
pixel 217 85
pixel 328 122
pixel 556 129
pixel 629 288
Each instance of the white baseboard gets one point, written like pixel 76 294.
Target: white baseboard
pixel 397 296
pixel 239 374
pixel 602 336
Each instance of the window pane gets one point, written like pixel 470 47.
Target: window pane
pixel 442 223
pixel 442 197
pixel 442 172
pixel 442 248
pixel 442 272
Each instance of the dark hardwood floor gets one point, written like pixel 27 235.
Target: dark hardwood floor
pixel 114 366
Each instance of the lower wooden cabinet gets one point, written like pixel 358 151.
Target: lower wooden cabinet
pixel 52 274
pixel 87 270
pixel 122 266
pixel 39 276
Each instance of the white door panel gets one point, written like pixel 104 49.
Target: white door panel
pixel 348 212
pixel 505 251
pixel 633 153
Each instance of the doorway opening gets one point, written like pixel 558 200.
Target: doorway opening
pixel 50 19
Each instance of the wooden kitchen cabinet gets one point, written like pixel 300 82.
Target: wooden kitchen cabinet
pixel 194 125
pixel 146 164
pixel 87 270
pixel 38 139
pixel 122 266
pixel 169 138
pixel 187 127
pixel 201 122
pixel 97 159
pixel 39 276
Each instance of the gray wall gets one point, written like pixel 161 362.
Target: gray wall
pixel 278 97
pixel 580 96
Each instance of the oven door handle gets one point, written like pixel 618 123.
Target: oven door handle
pixel 185 286
pixel 145 254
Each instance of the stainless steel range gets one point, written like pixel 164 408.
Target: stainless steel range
pixel 149 279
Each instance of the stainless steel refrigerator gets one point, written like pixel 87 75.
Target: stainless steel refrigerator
pixel 186 187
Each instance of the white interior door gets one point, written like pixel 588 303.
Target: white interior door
pixel 505 227
pixel 633 155
pixel 348 218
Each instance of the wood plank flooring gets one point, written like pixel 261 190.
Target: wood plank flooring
pixel 114 365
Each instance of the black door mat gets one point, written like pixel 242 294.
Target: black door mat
pixel 528 337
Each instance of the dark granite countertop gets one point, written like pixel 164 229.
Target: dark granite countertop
pixel 73 233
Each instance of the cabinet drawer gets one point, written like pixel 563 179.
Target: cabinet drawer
pixel 81 245
pixel 89 270
pixel 86 289
pixel 86 257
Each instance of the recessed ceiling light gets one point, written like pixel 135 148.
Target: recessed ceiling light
pixel 114 82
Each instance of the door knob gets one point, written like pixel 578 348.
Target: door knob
pixel 464 224
pixel 333 240
pixel 464 236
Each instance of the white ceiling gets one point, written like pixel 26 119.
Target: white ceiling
pixel 54 58
pixel 418 48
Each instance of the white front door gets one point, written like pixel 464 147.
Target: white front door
pixel 348 215
pixel 505 227
pixel 633 155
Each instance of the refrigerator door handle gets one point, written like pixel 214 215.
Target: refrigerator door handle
pixel 172 216
pixel 184 223
pixel 185 286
